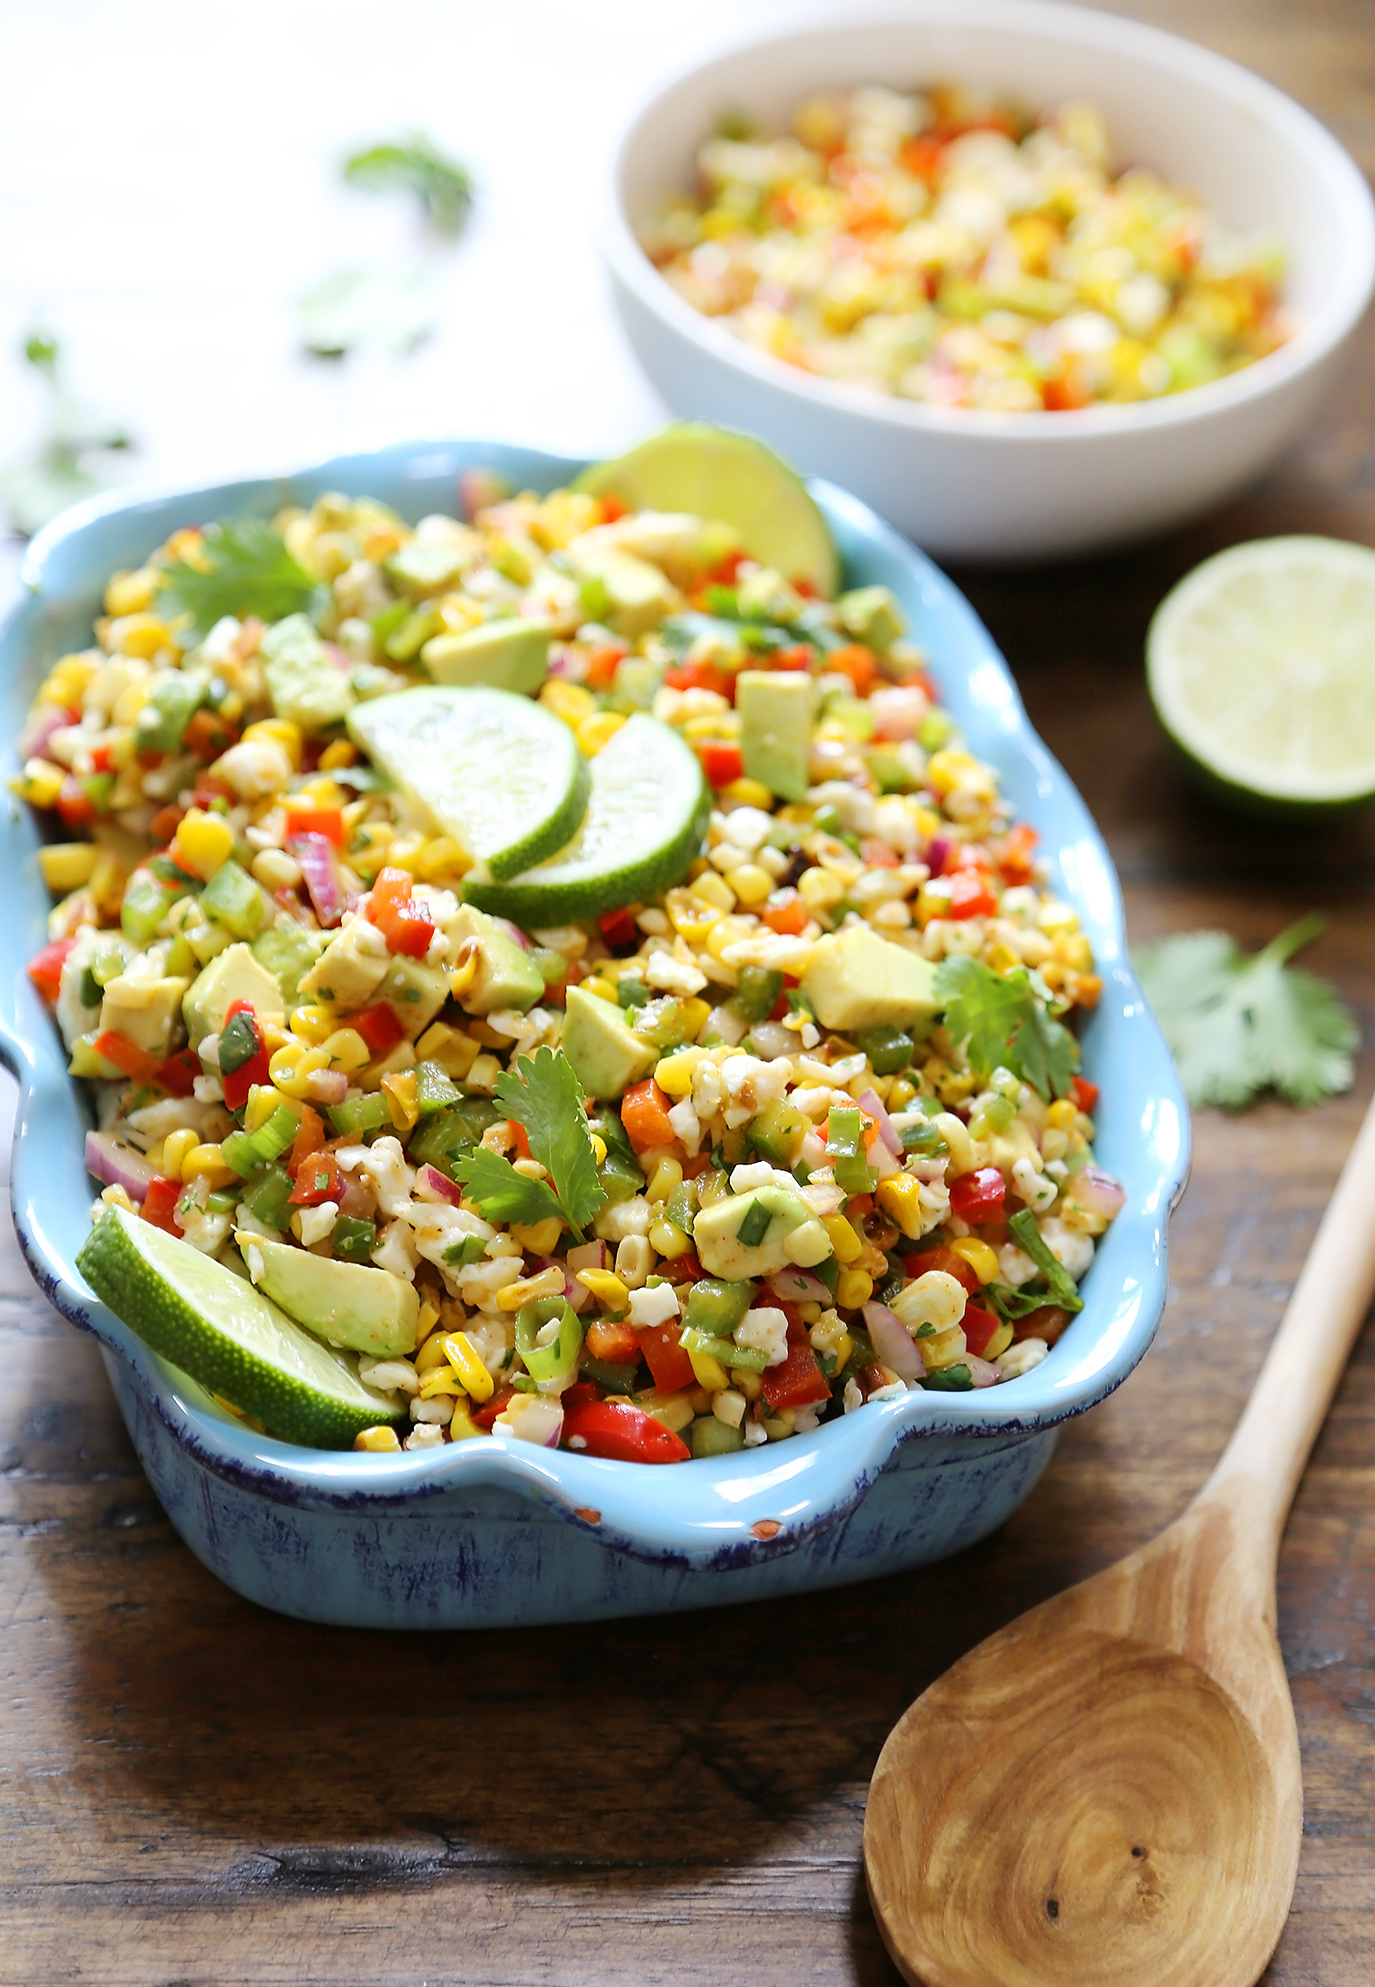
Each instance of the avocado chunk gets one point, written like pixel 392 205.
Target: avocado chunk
pixel 351 1305
pixel 638 595
pixel 605 1055
pixel 143 1011
pixel 511 654
pixel 415 992
pixel 233 974
pixel 858 980
pixel 870 614
pixel 489 970
pixel 303 681
pixel 288 951
pixel 435 559
pixel 716 1234
pixel 776 728
pixel 350 969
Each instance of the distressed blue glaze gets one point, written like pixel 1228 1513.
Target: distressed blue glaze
pixel 496 1532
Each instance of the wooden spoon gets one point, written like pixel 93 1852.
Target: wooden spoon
pixel 1107 1792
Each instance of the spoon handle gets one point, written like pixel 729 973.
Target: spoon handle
pixel 1265 1458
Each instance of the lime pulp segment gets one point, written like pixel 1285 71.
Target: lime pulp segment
pixel 644 823
pixel 497 772
pixel 731 479
pixel 215 1326
pixel 1261 665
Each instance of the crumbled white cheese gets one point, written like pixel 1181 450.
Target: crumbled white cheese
pixel 766 1329
pixel 654 1305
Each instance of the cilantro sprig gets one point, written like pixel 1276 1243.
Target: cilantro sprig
pixel 542 1093
pixel 1001 1021
pixel 443 186
pixel 242 567
pixel 1238 1023
pixel 1060 1285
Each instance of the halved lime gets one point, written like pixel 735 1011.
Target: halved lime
pixel 497 772
pixel 1261 667
pixel 645 821
pixel 716 474
pixel 224 1333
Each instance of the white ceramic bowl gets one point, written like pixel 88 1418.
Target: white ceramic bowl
pixel 1017 486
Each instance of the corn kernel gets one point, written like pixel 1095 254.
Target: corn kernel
pixel 819 889
pixel 341 753
pixel 674 1074
pixel 431 1354
pixel 68 681
pixel 346 1049
pixel 378 1441
pixel 942 1348
pixel 202 844
pixel 291 1068
pixel 853 1288
pixel 999 1342
pixel 1063 1115
pixel 529 1290
pixel 401 1092
pixel 606 1287
pixel 207 1162
pixel 451 1048
pixel 845 1244
pixel 674 1411
pixel 67 865
pixel 750 883
pixel 602 989
pixel 709 1372
pixel 440 1379
pixel 751 1385
pixel 669 1240
pixel 751 793
pixel 667 1175
pixel 442 856
pixel 901 1094
pixel 712 888
pixel 175 1150
pixel 537 1238
pixel 946 770
pixel 900 1198
pixel 280 731
pixel 462 1355
pixel 597 731
pixel 40 783
pixel 131 593
pixel 568 701
pixel 118 1197
pixel 979 1256
pixel 598 1147
pixel 463 1428
pixel 140 635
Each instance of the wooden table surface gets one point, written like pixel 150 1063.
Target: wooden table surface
pixel 197 1791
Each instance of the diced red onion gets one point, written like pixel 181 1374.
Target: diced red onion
pixel 438 1186
pixel 327 1086
pixel 893 1342
pixel 938 853
pixel 117 1164
pixel 872 1103
pixel 320 869
pixel 587 1255
pixel 339 657
pixel 513 932
pixel 1097 1192
pixel 794 1286
pixel 44 720
pixel 357 1198
pixel 980 1372
pixel 539 1420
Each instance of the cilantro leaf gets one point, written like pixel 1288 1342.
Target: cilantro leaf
pixel 502 1193
pixel 543 1094
pixel 242 567
pixel 1001 1021
pixel 443 186
pixel 1237 1023
pixel 1060 1285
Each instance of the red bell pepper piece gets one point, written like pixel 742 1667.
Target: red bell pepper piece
pixel 45 968
pixel 378 1026
pixel 127 1056
pixel 615 1340
pixel 1084 1093
pixel 317 1179
pixel 305 820
pixel 165 823
pixel 602 663
pixel 856 662
pixel 310 1138
pixel 178 1073
pixel 618 928
pixel 799 1381
pixel 701 676
pixel 943 1258
pixel 722 762
pixel 978 1196
pixel 160 1204
pixel 1014 860
pixel 664 1357
pixel 621 1432
pixel 74 804
pixel 680 1269
pixel 979 1327
pixel 405 924
pixel 797 657
pixel 484 1416
pixel 644 1113
pixel 725 571
pixel 789 919
pixel 970 895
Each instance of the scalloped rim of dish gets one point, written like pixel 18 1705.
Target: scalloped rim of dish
pixel 1312 342
pixel 666 1516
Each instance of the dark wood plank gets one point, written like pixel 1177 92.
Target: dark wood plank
pixel 196 1791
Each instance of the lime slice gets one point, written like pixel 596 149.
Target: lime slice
pixel 728 478
pixel 645 821
pixel 1261 666
pixel 497 772
pixel 220 1330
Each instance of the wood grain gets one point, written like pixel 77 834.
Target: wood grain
pixel 197 1792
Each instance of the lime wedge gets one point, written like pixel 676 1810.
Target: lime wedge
pixel 220 1330
pixel 496 771
pixel 645 821
pixel 1261 667
pixel 728 478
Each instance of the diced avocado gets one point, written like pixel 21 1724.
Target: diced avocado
pixel 303 680
pixel 503 973
pixel 351 1305
pixel 433 564
pixel 405 642
pixel 233 974
pixel 638 595
pixel 288 951
pixel 776 728
pixel 606 1056
pixel 350 969
pixel 511 654
pixel 415 992
pixel 858 980
pixel 871 615
pixel 143 1011
pixel 716 1233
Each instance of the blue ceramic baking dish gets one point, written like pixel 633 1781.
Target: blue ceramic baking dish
pixel 491 1533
